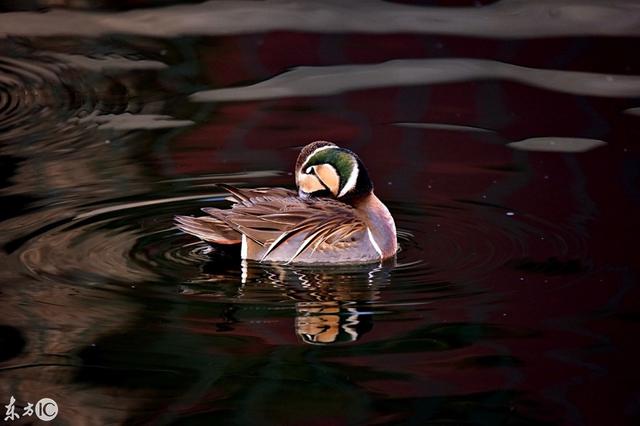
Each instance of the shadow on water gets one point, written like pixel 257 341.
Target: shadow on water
pixel 501 134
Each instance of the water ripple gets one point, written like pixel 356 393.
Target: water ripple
pixel 136 241
pixel 53 101
pixel 506 18
pixel 35 92
pixel 336 79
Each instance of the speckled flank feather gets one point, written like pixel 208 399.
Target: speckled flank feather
pixel 208 229
pixel 273 219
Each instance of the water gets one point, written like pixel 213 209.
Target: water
pixel 502 136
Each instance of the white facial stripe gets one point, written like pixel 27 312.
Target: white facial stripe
pixel 314 152
pixel 374 244
pixel 351 182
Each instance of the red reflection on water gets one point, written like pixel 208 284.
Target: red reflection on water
pixel 571 338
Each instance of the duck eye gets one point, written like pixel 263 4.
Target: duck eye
pixel 310 170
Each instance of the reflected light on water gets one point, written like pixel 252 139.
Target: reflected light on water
pixel 501 135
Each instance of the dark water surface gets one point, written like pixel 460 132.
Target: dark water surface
pixel 503 136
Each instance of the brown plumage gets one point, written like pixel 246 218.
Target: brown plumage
pixel 280 225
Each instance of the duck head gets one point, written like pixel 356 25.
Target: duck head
pixel 325 169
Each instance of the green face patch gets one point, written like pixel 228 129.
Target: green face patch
pixel 341 160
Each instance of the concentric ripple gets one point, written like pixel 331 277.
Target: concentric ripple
pixel 36 93
pixel 57 100
pixel 128 243
pixel 117 243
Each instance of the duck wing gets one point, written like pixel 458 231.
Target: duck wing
pixel 272 216
pixel 209 229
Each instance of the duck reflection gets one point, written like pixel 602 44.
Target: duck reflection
pixel 333 305
pixel 331 322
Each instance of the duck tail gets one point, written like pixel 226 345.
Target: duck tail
pixel 209 229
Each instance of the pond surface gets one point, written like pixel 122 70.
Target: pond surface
pixel 503 136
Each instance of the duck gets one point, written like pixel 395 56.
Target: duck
pixel 334 217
